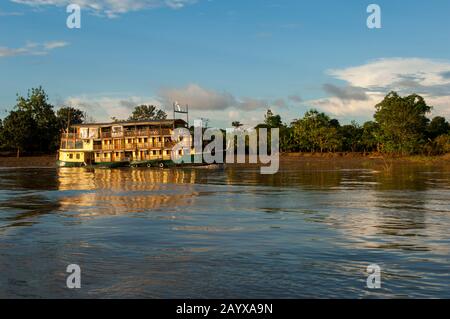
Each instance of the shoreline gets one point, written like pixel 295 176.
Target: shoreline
pixel 377 157
pixel 42 161
pixel 49 161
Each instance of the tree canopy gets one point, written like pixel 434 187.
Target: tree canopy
pixel 400 126
pixel 33 126
pixel 403 123
pixel 147 113
pixel 68 116
pixel 438 126
pixel 316 132
pixel 272 120
pixel 18 131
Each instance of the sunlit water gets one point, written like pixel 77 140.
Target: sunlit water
pixel 309 231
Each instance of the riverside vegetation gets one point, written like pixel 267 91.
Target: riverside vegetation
pixel 400 126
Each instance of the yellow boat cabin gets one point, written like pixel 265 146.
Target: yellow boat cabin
pixel 119 144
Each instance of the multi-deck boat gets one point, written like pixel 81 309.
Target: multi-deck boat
pixel 132 143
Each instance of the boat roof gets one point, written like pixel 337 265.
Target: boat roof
pixel 131 123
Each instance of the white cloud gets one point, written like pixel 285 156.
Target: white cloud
pixel 199 98
pixel 55 45
pixel 295 98
pixel 342 108
pixel 221 107
pixel 348 93
pixel 103 108
pixel 250 104
pixel 10 13
pixel 111 8
pixel 367 84
pixel 32 48
pixel 391 72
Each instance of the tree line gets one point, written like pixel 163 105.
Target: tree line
pixel 400 126
pixel 34 127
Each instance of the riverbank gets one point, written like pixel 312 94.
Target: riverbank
pixel 44 161
pixel 368 157
pixel 49 161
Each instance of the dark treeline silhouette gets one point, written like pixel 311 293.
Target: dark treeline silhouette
pixel 400 126
pixel 33 126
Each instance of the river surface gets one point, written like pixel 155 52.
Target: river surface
pixel 309 231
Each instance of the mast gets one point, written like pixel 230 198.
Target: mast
pixel 178 110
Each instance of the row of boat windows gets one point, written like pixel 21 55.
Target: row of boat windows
pixel 77 156
pixel 139 140
pixel 159 152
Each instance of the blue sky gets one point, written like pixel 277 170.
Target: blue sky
pixel 228 59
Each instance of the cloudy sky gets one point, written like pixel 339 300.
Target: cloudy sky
pixel 228 59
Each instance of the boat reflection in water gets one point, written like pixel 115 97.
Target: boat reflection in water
pixel 102 192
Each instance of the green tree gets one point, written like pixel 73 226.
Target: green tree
pixel 328 139
pixel 287 140
pixel 316 132
pixel 147 113
pixel 36 106
pixel 335 123
pixel 352 137
pixel 438 146
pixel 442 144
pixel 402 122
pixel 369 141
pixel 68 116
pixel 271 120
pixel 18 132
pixel 437 127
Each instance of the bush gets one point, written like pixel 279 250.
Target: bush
pixel 439 146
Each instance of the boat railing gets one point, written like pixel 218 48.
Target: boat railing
pixel 123 146
pixel 71 145
pixel 105 134
pixel 152 132
pixel 69 136
pixel 108 147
